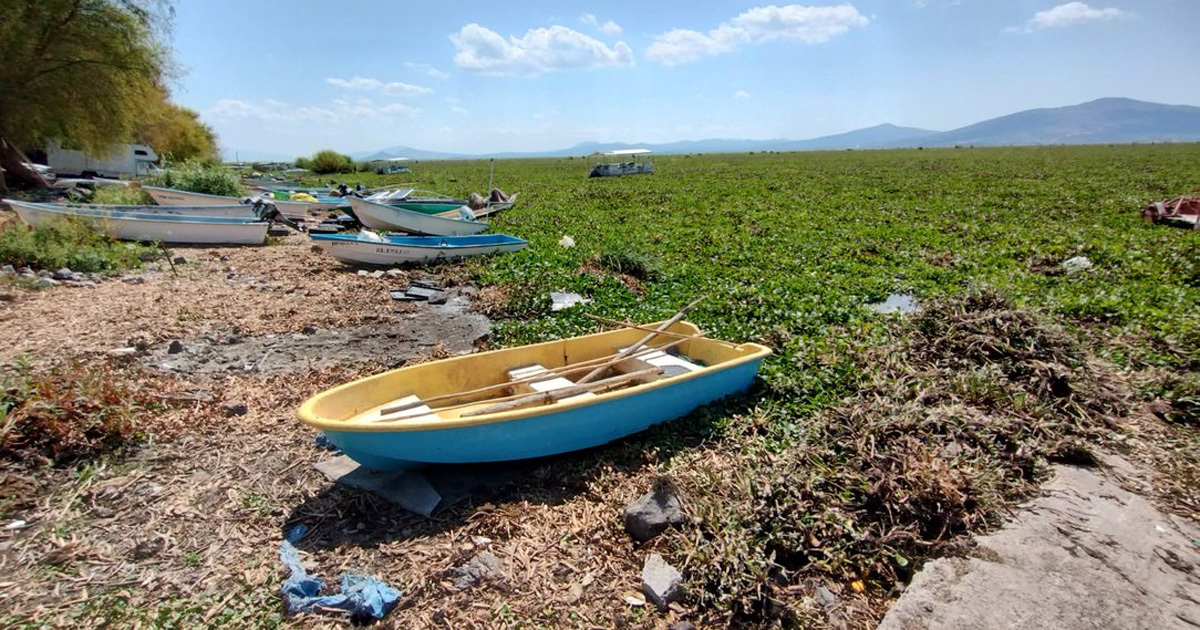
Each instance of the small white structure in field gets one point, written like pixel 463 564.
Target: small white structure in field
pixel 622 167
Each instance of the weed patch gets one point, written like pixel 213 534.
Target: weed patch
pixel 66 243
pixel 199 177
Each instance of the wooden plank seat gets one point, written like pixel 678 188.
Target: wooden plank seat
pixel 550 384
pixel 672 365
pixel 418 412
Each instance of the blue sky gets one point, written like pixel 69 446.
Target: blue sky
pixel 291 77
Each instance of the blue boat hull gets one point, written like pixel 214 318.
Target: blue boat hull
pixel 571 429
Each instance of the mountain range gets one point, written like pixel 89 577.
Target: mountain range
pixel 1102 121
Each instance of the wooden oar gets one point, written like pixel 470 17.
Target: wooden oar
pixel 546 398
pixel 590 376
pixel 683 336
pixel 606 361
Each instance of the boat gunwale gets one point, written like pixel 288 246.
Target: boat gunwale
pixel 168 218
pixel 306 415
pixel 443 246
pixel 437 220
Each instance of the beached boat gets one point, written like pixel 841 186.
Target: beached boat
pixel 422 201
pixel 367 248
pixel 293 209
pixel 380 216
pixel 240 211
pixel 621 166
pixel 138 226
pixel 525 402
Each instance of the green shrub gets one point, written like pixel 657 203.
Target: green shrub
pixel 329 161
pixel 121 196
pixel 67 243
pixel 636 264
pixel 198 177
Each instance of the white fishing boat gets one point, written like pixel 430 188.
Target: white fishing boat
pixel 240 211
pixel 380 216
pixel 139 226
pixel 293 209
pixel 368 248
pixel 624 162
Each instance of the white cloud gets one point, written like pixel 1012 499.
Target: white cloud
pixel 1064 15
pixel 463 111
pixel 810 25
pixel 741 94
pixel 339 110
pixel 610 28
pixel 427 70
pixel 394 88
pixel 541 50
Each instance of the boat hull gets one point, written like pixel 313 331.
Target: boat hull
pixel 240 211
pixel 291 209
pixel 551 434
pixel 383 217
pixel 175 229
pixel 366 252
pixel 350 414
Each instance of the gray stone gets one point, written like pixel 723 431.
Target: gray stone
pixel 179 260
pixel 47 282
pixel 393 273
pixel 484 566
pixel 378 273
pixel 652 513
pixel 133 280
pixel 1085 554
pixel 363 273
pixel 8 270
pixel 825 597
pixel 64 274
pixel 175 348
pixel 661 582
pixel 438 299
pixel 235 408
pixel 24 271
pixel 42 273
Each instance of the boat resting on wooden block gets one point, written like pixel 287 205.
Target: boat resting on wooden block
pixel 452 411
pixel 367 248
pixel 138 226
pixel 380 216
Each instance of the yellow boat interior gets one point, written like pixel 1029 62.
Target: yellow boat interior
pixel 511 383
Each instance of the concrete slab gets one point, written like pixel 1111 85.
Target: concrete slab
pixel 1084 555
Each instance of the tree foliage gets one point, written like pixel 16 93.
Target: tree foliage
pixel 330 161
pixel 82 71
pixel 176 132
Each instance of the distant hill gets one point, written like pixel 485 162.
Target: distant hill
pixel 1106 120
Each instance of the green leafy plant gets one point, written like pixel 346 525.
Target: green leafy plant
pixel 67 243
pixel 200 177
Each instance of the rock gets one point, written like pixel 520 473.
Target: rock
pixel 652 513
pixel 8 270
pixel 483 566
pixel 148 256
pixel 378 273
pixel 175 348
pixel 179 260
pixel 24 271
pixel 47 282
pixel 64 274
pixel 362 273
pixel 683 625
pixel 1076 264
pixel 824 597
pixel 133 280
pixel 234 408
pixel 123 352
pixel 309 330
pixel 394 273
pixel 661 582
pixel 42 273
pixel 438 299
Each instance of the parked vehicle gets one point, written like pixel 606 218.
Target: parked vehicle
pixel 128 160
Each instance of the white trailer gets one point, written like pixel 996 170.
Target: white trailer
pixel 127 160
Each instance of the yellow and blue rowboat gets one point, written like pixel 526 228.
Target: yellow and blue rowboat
pixel 446 430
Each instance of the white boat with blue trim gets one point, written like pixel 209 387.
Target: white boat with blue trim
pixel 140 226
pixel 368 248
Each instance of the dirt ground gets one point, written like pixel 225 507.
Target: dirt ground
pixel 187 530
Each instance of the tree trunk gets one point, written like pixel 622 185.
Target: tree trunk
pixel 13 163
